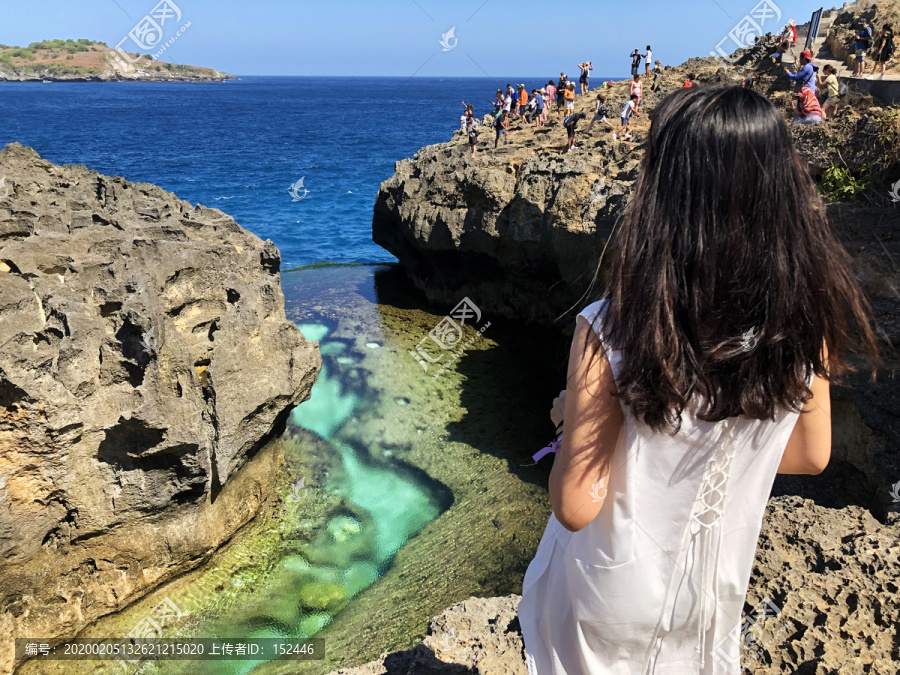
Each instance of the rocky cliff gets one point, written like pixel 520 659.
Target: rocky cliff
pixel 520 229
pixel 145 357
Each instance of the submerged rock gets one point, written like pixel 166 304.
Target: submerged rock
pixel 144 358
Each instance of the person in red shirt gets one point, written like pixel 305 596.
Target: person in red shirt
pixel 689 82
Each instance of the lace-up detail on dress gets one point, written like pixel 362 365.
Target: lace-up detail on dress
pixel 656 583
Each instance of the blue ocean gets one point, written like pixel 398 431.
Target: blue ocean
pixel 241 145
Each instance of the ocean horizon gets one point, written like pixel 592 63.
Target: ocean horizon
pixel 291 158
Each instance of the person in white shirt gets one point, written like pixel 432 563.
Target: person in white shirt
pixel 627 112
pixel 647 61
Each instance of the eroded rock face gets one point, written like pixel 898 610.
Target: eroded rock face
pixel 144 357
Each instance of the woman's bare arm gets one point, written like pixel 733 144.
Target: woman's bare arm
pixel 593 421
pixel 809 447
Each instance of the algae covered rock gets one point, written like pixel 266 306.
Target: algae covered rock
pixel 319 595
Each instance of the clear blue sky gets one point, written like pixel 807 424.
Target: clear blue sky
pixel 402 37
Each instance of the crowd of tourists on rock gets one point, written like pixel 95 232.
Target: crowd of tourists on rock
pixel 535 108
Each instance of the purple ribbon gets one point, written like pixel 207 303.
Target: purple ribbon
pixel 545 451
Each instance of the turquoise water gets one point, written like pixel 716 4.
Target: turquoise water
pixel 400 493
pixel 382 508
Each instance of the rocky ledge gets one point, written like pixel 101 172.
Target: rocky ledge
pixel 145 357
pixel 834 606
pixel 520 228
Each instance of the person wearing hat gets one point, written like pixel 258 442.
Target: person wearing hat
pixel 545 112
pixel 570 97
pixel 523 100
pixel 806 76
pixel 863 39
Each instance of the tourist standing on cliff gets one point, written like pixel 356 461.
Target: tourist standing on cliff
pixel 862 43
pixel 469 112
pixel 585 77
pixel 570 97
pixel 561 93
pixel 884 50
pixel 472 132
pixel 657 68
pixel 684 393
pixel 498 102
pixel 637 89
pixel 635 61
pixel 501 126
pixel 541 111
pixel 549 99
pixel 647 61
pixel 832 89
pixel 523 100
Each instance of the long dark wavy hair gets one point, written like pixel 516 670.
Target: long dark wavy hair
pixel 726 281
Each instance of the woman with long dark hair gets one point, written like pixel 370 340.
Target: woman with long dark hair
pixel 703 372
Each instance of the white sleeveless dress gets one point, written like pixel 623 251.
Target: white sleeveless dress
pixel 656 582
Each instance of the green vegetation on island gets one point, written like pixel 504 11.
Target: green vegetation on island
pixel 85 59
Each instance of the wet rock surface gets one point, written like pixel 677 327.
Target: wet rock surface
pixel 145 357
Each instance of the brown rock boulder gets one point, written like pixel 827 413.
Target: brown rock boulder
pixel 144 358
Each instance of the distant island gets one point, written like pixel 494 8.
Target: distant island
pixel 91 61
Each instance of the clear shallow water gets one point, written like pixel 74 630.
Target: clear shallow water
pixel 400 494
pixel 384 466
pixel 240 145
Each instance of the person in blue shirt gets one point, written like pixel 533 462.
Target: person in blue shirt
pixel 806 76
pixel 863 39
